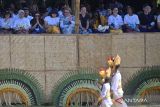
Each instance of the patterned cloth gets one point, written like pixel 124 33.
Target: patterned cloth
pixel 67 25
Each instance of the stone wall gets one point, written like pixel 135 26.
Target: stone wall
pixel 49 57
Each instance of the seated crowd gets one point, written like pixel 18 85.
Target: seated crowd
pixel 56 21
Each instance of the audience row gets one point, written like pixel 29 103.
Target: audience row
pixel 62 21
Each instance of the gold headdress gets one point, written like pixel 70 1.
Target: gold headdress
pixel 105 73
pixel 110 61
pixel 117 60
pixel 102 73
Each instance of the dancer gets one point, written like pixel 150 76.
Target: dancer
pixel 116 84
pixel 105 98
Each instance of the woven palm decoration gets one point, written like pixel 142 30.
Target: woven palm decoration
pixel 19 87
pixel 144 83
pixel 83 79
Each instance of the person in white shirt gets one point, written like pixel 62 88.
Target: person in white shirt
pixel 116 84
pixel 26 11
pixel 115 20
pixel 52 22
pixel 105 96
pixel 21 24
pixel 6 23
pixel 131 21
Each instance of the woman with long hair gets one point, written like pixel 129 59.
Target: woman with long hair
pixel 37 24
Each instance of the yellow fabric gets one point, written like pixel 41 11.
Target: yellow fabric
pixel 108 96
pixel 53 29
pixel 116 31
pixel 119 84
pixel 99 99
pixel 120 87
pixel 96 24
pixel 103 20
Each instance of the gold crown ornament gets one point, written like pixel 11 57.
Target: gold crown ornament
pixel 110 61
pixel 117 60
pixel 105 73
pixel 102 72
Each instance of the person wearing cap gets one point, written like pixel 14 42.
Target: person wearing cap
pixel 21 24
pixel 105 96
pixel 52 22
pixel 26 11
pixel 116 84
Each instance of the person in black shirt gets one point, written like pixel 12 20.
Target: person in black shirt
pixel 147 20
pixel 37 24
pixel 84 22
